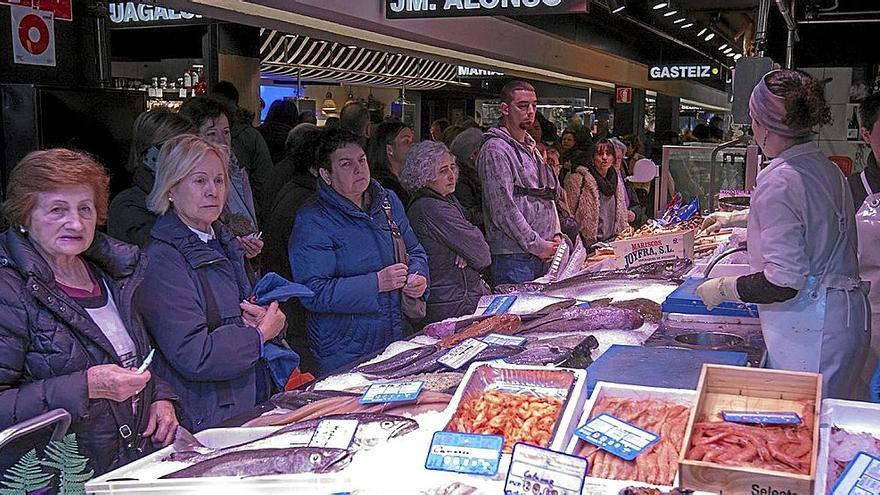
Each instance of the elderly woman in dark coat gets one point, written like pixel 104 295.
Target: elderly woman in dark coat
pixel 68 338
pixel 456 249
pixel 209 341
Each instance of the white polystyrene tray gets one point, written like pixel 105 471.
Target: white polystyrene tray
pixel 573 407
pixel 637 392
pixel 143 475
pixel 855 417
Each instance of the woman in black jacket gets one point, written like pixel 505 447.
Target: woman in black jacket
pixel 456 249
pixel 68 337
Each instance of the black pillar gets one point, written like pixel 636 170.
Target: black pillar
pixel 666 114
pixel 629 118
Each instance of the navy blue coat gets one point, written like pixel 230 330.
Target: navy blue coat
pixel 337 251
pixel 214 372
pixel 48 342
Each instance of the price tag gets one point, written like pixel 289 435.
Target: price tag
pixel 182 93
pixel 499 305
pixel 391 392
pixel 536 470
pixel 459 355
pixel 861 476
pixel 334 433
pixel 499 339
pixel 761 418
pixel 465 453
pixel 616 436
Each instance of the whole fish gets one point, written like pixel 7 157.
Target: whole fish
pixel 593 285
pixel 263 462
pixel 395 362
pixel 649 310
pixel 586 320
pixel 294 399
pixel 495 351
pixel 540 355
pixel 373 429
pixel 427 364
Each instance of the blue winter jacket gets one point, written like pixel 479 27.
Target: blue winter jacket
pixel 213 371
pixel 337 251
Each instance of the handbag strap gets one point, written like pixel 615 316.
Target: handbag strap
pixel 396 237
pixel 212 314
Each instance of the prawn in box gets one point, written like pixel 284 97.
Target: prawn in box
pixel 760 451
pixel 535 405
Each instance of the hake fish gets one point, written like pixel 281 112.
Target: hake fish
pixel 540 355
pixel 373 429
pixel 263 462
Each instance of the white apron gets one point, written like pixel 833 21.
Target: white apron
pixel 868 226
pixel 822 328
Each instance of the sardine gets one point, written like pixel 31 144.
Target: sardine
pixel 265 462
pixel 395 362
pixel 540 355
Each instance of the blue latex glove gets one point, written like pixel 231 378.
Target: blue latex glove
pixel 875 385
pixel 274 287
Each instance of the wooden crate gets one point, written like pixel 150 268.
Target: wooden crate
pixel 735 388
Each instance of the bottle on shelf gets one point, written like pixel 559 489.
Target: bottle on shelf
pixel 187 79
pixel 200 88
pixel 852 128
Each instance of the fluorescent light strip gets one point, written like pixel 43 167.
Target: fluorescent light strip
pixel 670 13
pixel 702 32
pixel 685 26
pixel 722 47
pixel 737 56
pixel 679 21
pixel 618 9
pixel 710 36
pixel 660 5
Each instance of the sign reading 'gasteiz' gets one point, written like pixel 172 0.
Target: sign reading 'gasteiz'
pixel 682 71
pixel 407 9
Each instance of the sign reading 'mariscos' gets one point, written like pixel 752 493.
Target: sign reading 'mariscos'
pixel 408 9
pixel 683 71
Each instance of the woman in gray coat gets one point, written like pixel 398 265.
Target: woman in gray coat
pixel 456 249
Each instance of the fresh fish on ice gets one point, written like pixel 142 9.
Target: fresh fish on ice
pixel 263 462
pixel 586 320
pixel 394 363
pixel 540 355
pixel 294 399
pixel 426 364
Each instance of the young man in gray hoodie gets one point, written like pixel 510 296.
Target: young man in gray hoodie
pixel 519 192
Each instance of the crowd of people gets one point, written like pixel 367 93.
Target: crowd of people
pixel 389 234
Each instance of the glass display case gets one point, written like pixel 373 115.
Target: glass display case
pixel 689 170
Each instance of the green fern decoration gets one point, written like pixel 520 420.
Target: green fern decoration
pixel 64 456
pixel 25 476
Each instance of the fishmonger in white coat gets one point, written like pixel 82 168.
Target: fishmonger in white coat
pixel 802 243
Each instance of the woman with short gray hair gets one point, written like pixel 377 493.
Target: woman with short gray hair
pixel 456 249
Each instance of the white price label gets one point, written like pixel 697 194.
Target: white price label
pixel 334 433
pixel 459 355
pixel 536 470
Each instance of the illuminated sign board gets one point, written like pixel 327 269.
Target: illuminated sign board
pixel 465 71
pixel 683 71
pixel 408 9
pixel 139 13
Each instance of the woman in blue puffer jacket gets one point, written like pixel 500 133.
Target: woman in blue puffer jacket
pixel 343 251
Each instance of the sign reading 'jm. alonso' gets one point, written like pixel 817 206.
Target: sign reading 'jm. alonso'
pixel 408 9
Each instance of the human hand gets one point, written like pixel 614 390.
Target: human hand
pixel 272 322
pixel 630 216
pixel 252 245
pixel 392 277
pixel 460 262
pixel 717 290
pixel 109 381
pixel 161 423
pixel 252 314
pixel 548 248
pixel 415 285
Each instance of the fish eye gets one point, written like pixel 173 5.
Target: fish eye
pixel 386 424
pixel 315 458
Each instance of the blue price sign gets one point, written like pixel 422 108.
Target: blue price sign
pixel 761 418
pixel 392 392
pixel 616 436
pixel 499 305
pixel 465 453
pixel 861 477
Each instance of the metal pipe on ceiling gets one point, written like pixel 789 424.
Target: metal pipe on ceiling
pixel 761 27
pixel 788 14
pixel 840 21
pixel 853 12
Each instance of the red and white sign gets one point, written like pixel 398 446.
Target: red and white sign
pixel 33 36
pixel 623 95
pixel 63 9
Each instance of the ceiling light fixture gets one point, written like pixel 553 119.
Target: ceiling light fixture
pixel 722 47
pixel 685 26
pixel 616 5
pixel 660 5
pixel 731 54
pixel 679 21
pixel 702 32
pixel 670 13
pixel 728 51
pixel 710 36
pixel 737 56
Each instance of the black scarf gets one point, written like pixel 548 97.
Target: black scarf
pixel 608 184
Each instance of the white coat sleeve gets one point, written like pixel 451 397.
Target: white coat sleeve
pixel 778 205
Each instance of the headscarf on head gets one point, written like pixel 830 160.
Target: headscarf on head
pixel 769 110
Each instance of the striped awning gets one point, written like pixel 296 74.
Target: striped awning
pixel 313 60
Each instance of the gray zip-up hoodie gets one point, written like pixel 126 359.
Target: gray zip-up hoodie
pixel 516 217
